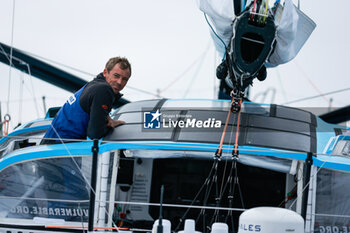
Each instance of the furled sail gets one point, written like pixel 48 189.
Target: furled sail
pixel 251 35
pixel 293 27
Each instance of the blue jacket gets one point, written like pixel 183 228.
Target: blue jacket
pixel 71 121
pixel 85 113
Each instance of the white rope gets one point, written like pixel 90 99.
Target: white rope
pixel 82 174
pixel 231 136
pixel 20 98
pixel 332 215
pixel 311 177
pixel 154 204
pixel 180 206
pixel 87 73
pixel 11 49
pixel 34 98
pixel 5 54
pixel 254 13
pixel 125 203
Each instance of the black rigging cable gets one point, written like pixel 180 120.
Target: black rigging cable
pixel 207 194
pixel 232 181
pixel 206 182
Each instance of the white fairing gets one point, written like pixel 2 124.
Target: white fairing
pixel 219 227
pixel 270 220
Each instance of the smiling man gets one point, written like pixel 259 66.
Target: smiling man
pixel 86 113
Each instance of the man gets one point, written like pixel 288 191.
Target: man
pixel 86 113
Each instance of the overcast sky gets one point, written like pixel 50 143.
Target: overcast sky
pixel 168 44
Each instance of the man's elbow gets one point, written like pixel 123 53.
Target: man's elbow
pixel 97 134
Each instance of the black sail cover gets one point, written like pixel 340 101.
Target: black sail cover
pixel 269 126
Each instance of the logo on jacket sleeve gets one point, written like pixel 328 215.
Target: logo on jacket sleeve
pixel 151 120
pixel 71 99
pixel 105 107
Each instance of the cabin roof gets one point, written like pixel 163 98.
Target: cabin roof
pixel 297 132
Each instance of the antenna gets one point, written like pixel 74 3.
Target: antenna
pixel 160 226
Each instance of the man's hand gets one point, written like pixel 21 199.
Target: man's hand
pixel 114 123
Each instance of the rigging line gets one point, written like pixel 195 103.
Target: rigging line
pixel 31 82
pixel 266 7
pixel 79 70
pixel 216 213
pixel 180 206
pixel 83 72
pixel 195 198
pixel 229 181
pixel 13 58
pixel 71 156
pixel 317 96
pixel 125 203
pixel 253 10
pixel 279 78
pixel 229 178
pixel 237 131
pixel 197 71
pixel 95 228
pixel 81 172
pixel 234 162
pixel 265 12
pixel 6 55
pixel 224 173
pixel 217 157
pixel 20 98
pixel 311 177
pixel 224 131
pixel 61 64
pixel 31 99
pixel 11 50
pixel 177 78
pixel 312 83
pixel 331 215
pixel 239 187
pixel 207 193
pixel 231 191
pixel 143 91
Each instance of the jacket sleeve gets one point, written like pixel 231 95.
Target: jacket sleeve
pixel 101 105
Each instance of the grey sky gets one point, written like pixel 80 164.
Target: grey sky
pixel 169 46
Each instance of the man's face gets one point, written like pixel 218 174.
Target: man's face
pixel 117 78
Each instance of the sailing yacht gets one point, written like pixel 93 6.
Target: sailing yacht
pixel 47 187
